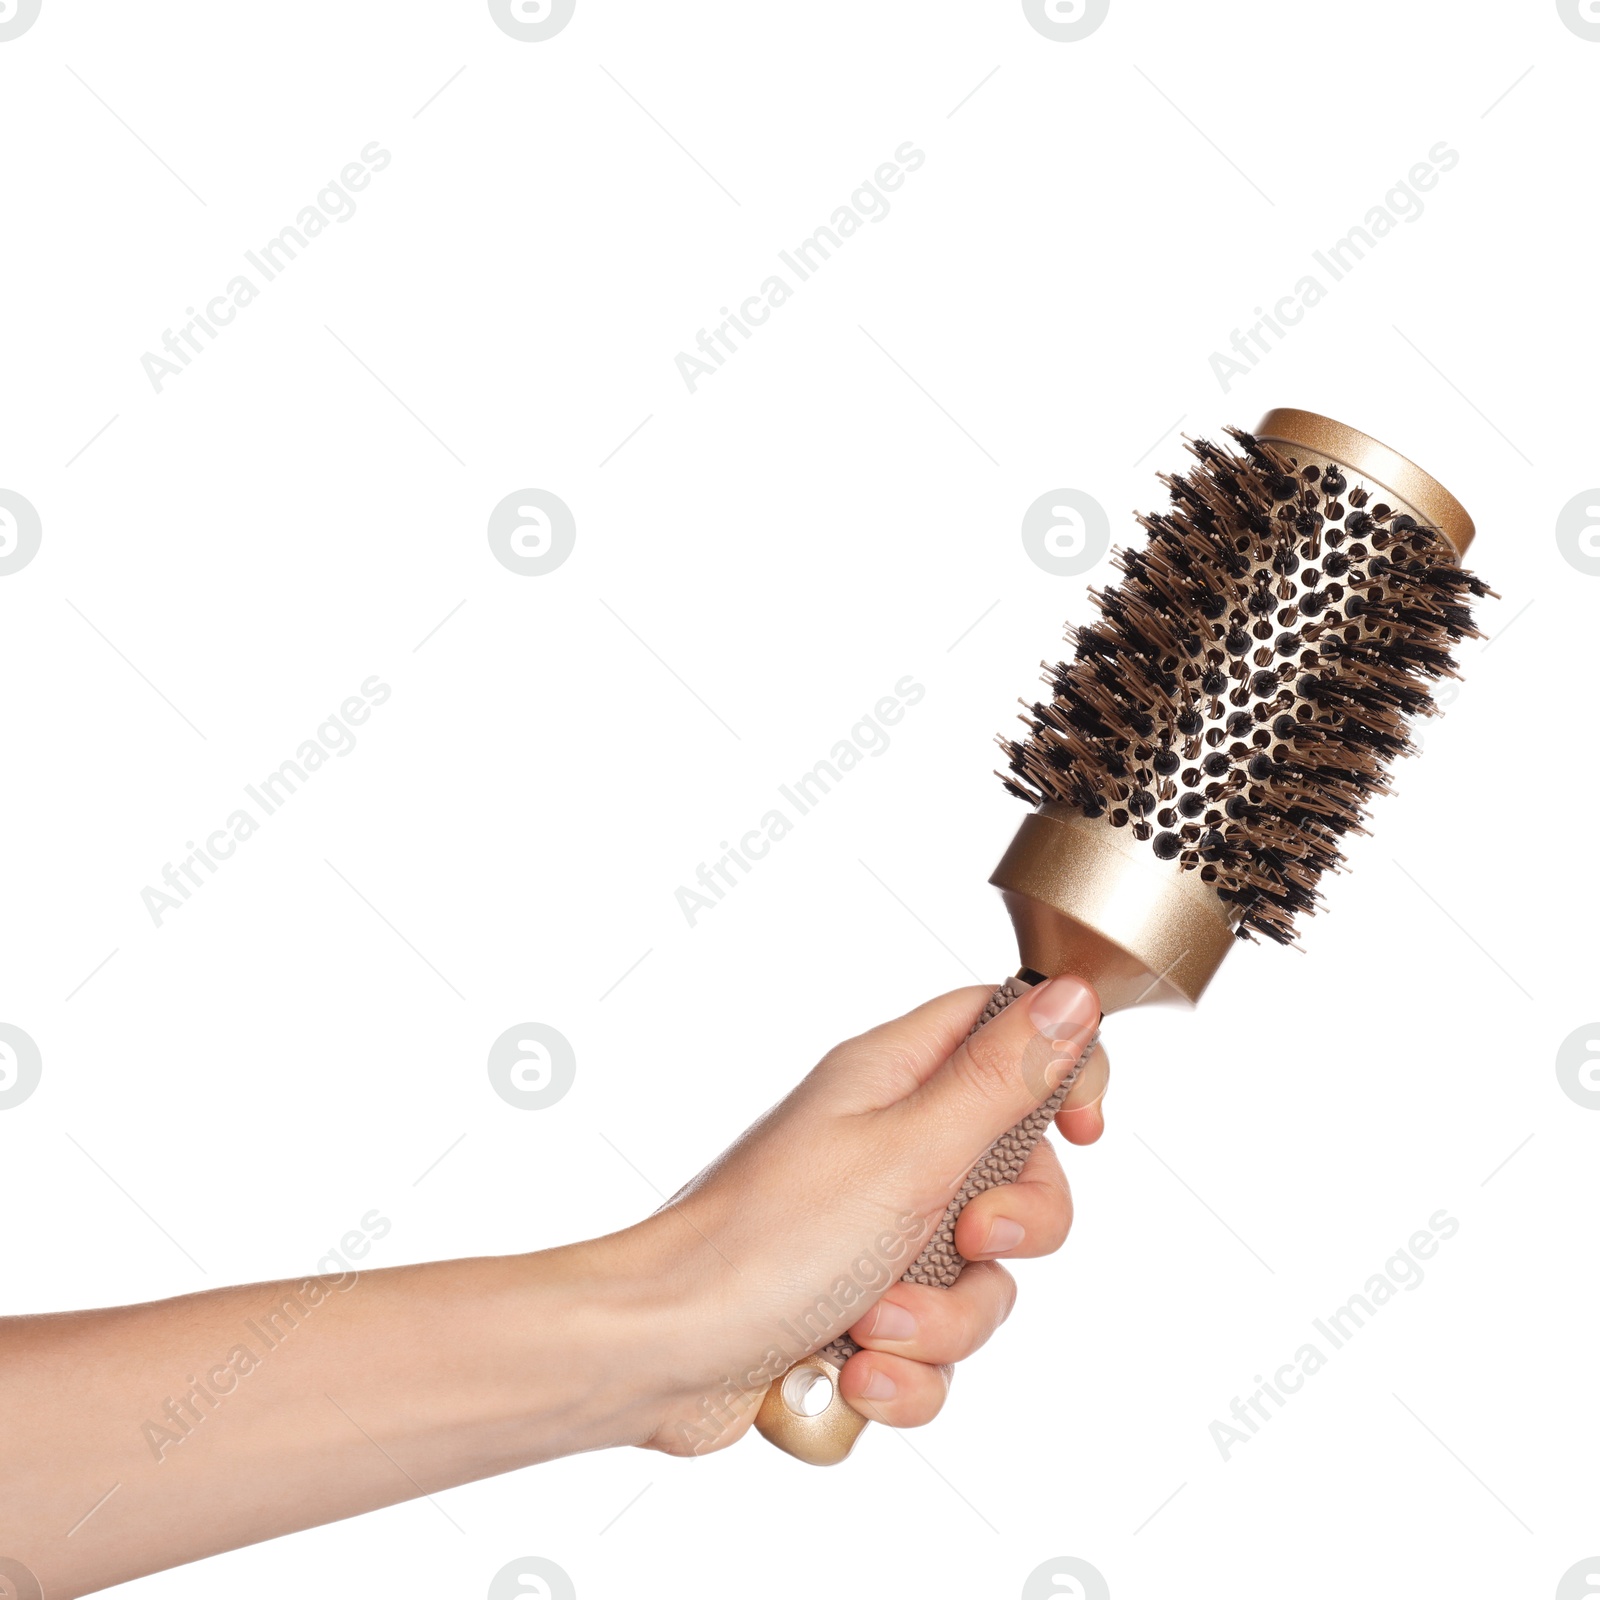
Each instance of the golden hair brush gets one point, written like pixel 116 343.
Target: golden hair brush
pixel 1222 724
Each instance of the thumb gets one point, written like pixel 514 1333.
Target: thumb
pixel 1009 1067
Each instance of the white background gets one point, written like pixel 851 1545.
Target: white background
pixel 838 507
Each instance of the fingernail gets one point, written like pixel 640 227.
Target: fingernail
pixel 880 1386
pixel 1004 1234
pixel 892 1322
pixel 1064 1008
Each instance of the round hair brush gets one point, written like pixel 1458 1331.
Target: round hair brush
pixel 1221 725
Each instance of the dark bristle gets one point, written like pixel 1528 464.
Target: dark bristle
pixel 1254 674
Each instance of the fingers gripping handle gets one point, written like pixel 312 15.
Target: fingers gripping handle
pixel 827 1437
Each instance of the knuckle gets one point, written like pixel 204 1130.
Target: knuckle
pixel 989 1068
pixel 928 1400
pixel 840 1058
pixel 1007 1295
pixel 948 1336
pixel 900 1058
pixel 965 1321
pixel 988 1302
pixel 1053 1214
pixel 834 1067
pixel 923 1389
pixel 1045 1062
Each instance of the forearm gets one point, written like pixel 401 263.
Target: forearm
pixel 244 1413
pixel 145 1436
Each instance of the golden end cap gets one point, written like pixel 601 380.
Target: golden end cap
pixel 822 1440
pixel 1327 441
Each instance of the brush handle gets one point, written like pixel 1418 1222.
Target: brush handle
pixel 825 1439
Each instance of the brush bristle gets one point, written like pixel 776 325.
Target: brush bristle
pixel 1252 678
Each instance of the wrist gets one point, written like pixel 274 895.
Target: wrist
pixel 605 1339
pixel 695 1380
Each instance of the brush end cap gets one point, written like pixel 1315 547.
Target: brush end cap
pixel 1420 494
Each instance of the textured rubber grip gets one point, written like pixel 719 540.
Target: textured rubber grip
pixel 823 1438
pixel 940 1263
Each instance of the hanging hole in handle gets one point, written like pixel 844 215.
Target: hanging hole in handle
pixel 804 1413
pixel 807 1392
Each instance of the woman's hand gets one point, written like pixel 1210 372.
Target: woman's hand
pixel 244 1413
pixel 801 1231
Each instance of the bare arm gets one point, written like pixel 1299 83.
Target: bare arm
pixel 243 1413
pixel 145 1436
